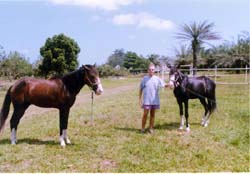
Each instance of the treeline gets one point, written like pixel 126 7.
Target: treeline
pixel 59 55
pixel 230 54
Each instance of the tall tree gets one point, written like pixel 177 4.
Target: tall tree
pixel 117 58
pixel 135 63
pixel 197 34
pixel 2 53
pixel 59 55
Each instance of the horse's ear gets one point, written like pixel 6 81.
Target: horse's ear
pixel 85 67
pixel 94 65
pixel 178 66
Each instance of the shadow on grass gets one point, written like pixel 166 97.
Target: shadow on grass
pixel 31 141
pixel 165 126
pixel 128 129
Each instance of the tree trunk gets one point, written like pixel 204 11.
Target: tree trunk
pixel 194 47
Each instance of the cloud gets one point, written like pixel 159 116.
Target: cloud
pixel 143 20
pixel 107 5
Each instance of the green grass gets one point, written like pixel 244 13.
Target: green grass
pixel 114 144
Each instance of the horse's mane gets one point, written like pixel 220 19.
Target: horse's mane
pixel 55 77
pixel 69 74
pixel 73 81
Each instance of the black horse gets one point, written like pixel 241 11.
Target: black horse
pixel 56 92
pixel 186 88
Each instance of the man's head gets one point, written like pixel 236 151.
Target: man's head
pixel 151 69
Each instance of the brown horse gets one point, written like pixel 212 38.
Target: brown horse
pixel 56 92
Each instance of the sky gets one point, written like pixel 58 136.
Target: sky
pixel 102 26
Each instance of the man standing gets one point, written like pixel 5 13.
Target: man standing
pixel 149 89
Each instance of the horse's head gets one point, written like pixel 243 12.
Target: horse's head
pixel 174 76
pixel 91 77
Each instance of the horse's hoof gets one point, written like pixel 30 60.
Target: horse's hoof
pixel 206 124
pixel 187 129
pixel 13 141
pixel 62 143
pixel 68 141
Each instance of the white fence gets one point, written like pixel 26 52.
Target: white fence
pixel 232 76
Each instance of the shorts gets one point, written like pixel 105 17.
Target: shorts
pixel 149 107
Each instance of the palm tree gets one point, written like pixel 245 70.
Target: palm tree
pixel 197 34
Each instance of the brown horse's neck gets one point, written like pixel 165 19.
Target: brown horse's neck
pixel 73 82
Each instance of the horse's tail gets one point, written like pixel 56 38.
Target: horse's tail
pixel 5 109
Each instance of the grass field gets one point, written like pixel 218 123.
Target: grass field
pixel 114 144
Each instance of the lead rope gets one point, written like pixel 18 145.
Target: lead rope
pixel 92 106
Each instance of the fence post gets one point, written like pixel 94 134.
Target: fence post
pixel 246 79
pixel 191 72
pixel 215 73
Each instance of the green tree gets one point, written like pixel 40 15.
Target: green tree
pixel 197 34
pixel 59 55
pixel 154 58
pixel 2 53
pixel 15 66
pixel 117 58
pixel 135 63
pixel 130 60
pixel 234 54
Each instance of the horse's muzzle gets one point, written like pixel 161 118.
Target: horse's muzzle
pixel 99 89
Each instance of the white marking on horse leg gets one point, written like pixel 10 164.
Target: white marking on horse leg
pixel 207 119
pixel 203 120
pixel 62 142
pixel 188 128
pixel 182 122
pixel 13 136
pixel 65 137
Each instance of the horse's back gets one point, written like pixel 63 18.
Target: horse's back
pixel 35 91
pixel 198 87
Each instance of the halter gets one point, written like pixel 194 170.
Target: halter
pixel 176 84
pixel 90 83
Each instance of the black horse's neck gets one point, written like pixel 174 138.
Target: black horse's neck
pixel 74 81
pixel 180 84
pixel 181 77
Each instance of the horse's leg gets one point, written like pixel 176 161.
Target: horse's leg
pixel 181 113
pixel 186 115
pixel 15 119
pixel 205 105
pixel 209 105
pixel 64 115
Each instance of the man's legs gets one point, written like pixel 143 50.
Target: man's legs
pixel 152 120
pixel 144 120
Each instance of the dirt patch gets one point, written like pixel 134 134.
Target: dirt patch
pixel 107 164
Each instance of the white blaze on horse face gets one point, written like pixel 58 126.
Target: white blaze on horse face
pixel 99 88
pixel 171 80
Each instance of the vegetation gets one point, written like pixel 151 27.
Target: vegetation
pixel 114 143
pixel 59 55
pixel 197 34
pixel 15 66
